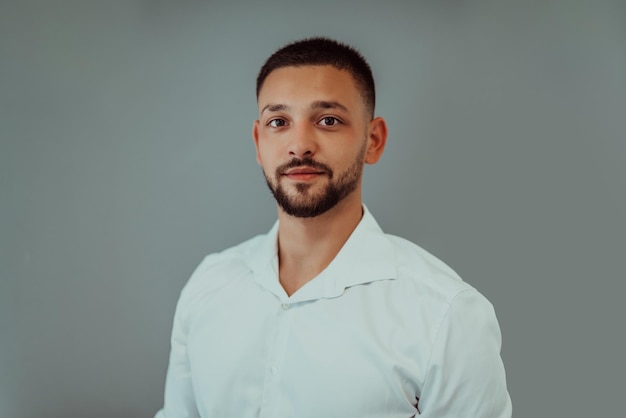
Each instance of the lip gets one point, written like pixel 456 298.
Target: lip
pixel 303 173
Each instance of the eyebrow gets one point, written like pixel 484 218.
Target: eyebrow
pixel 319 104
pixel 274 108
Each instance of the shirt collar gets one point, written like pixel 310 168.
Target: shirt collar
pixel 367 256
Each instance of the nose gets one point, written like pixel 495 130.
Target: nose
pixel 302 142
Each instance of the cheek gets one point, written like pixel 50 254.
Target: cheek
pixel 265 160
pixel 261 154
pixel 264 149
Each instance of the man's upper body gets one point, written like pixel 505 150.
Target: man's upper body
pixel 385 324
pixel 326 316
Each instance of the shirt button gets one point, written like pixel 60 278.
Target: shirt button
pixel 274 370
pixel 285 306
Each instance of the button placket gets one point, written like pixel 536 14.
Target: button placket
pixel 276 353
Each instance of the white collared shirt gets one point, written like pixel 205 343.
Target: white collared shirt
pixel 386 325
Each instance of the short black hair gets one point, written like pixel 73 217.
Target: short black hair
pixel 323 51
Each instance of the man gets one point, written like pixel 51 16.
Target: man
pixel 327 316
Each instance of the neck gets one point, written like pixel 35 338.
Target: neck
pixel 306 246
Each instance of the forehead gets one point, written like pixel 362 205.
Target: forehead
pixel 310 83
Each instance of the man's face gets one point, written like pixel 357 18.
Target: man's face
pixel 312 138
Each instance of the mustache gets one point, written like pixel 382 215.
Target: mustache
pixel 304 162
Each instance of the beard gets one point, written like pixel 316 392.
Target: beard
pixel 307 204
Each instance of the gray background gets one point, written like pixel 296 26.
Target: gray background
pixel 126 156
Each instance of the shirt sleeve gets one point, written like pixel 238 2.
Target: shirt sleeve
pixel 180 400
pixel 465 375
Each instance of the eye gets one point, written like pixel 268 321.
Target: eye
pixel 329 121
pixel 277 123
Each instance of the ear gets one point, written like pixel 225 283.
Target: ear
pixel 377 138
pixel 255 137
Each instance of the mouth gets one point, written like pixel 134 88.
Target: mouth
pixel 303 173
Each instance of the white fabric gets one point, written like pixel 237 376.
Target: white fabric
pixel 384 324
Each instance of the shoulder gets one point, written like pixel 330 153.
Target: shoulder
pixel 432 291
pixel 431 278
pixel 220 269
